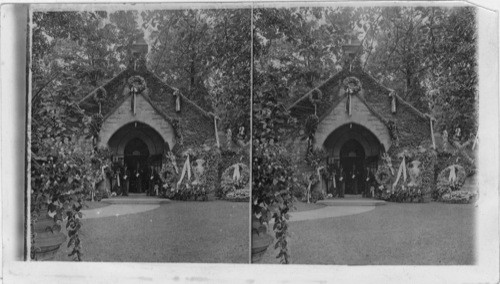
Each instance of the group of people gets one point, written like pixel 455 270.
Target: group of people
pixel 340 180
pixel 139 180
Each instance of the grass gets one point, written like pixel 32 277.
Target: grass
pixel 209 232
pixel 393 234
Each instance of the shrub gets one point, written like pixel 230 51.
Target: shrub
pixel 188 193
pixel 271 194
pixel 459 197
pixel 239 195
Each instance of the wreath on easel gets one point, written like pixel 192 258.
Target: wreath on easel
pixel 450 179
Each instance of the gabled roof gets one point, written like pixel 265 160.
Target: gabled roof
pixel 115 95
pixel 375 96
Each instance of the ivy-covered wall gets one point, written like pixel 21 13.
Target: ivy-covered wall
pixel 407 126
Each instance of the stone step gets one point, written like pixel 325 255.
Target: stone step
pixel 352 202
pixel 135 199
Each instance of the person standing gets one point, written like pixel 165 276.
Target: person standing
pixel 126 180
pixel 341 183
pixel 117 181
pixel 368 182
pixel 354 177
pixel 151 181
pixel 333 181
pixel 138 179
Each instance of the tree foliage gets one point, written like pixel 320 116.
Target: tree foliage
pixel 206 54
pixel 426 54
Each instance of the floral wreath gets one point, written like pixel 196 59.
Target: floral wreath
pixel 444 185
pixel 351 85
pixel 383 175
pixel 100 95
pixel 138 82
pixel 228 184
pixel 315 96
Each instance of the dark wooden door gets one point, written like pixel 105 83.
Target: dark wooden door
pixel 352 158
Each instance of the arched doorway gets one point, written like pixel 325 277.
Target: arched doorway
pixel 357 150
pixel 136 156
pixel 140 148
pixel 352 160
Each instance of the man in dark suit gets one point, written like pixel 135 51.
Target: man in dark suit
pixel 341 182
pixel 125 180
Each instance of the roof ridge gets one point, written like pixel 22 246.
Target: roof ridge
pixel 363 72
pixel 200 109
pixel 419 113
pixel 204 112
pixel 310 91
pixel 100 86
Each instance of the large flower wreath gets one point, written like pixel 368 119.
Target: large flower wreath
pixel 351 85
pixel 138 82
pixel 236 188
pixel 315 96
pixel 449 181
pixel 383 176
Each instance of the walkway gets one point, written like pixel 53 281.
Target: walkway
pixel 117 210
pixel 350 205
pixel 134 203
pixel 329 212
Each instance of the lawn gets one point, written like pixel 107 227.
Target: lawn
pixel 392 234
pixel 209 232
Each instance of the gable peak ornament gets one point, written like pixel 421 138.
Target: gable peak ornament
pixel 139 49
pixel 351 48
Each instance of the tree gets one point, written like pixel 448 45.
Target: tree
pixel 300 47
pixel 428 54
pixel 206 54
pixel 72 53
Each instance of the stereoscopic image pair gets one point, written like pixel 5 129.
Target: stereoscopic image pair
pixel 301 134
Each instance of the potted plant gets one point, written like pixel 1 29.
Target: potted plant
pixel 272 174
